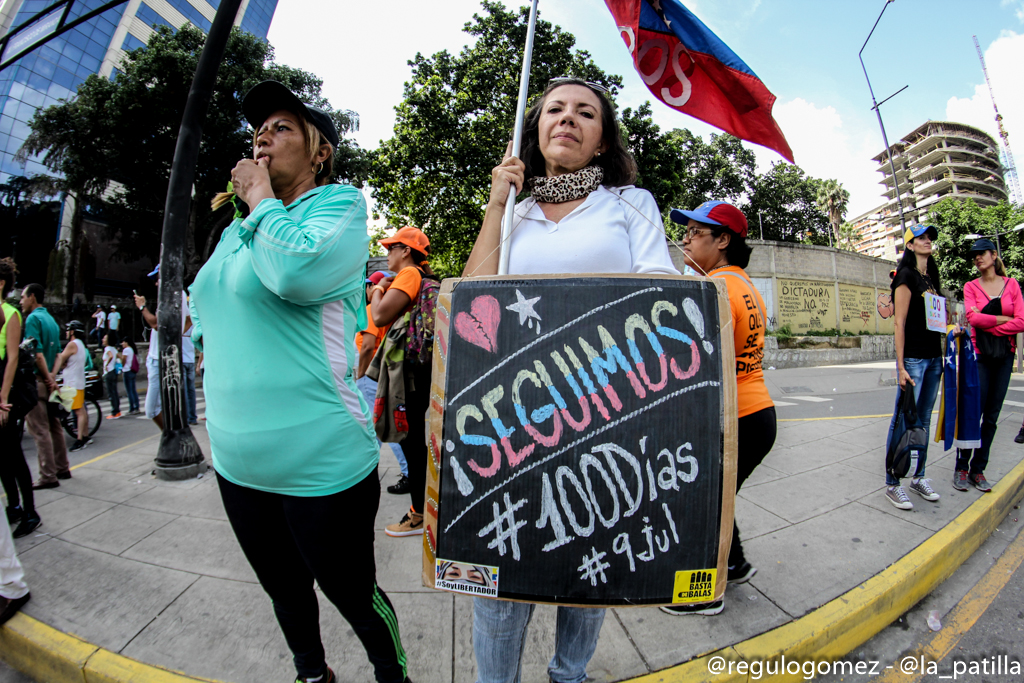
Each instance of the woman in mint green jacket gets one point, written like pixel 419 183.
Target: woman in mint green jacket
pixel 275 311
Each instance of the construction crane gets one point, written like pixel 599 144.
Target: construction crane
pixel 1010 167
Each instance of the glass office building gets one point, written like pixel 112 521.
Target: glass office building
pixel 55 70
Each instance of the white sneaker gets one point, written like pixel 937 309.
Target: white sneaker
pixel 898 497
pixel 923 488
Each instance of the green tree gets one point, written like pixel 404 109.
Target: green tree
pixel 130 128
pixel 832 199
pixel 455 121
pixel 782 204
pixel 848 237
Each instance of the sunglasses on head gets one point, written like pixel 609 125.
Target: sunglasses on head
pixel 596 86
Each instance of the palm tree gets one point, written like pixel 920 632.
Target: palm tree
pixel 832 199
pixel 848 237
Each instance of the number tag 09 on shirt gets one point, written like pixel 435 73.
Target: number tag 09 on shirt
pixel 935 312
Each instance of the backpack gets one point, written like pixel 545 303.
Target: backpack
pixel 135 362
pixel 419 336
pixel 909 440
pixel 23 395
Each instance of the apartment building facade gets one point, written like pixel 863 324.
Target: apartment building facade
pixel 939 159
pixel 54 71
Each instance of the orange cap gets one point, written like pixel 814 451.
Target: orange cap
pixel 410 237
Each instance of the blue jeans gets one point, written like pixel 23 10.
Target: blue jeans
pixel 153 404
pixel 993 381
pixel 499 633
pixel 927 375
pixel 130 390
pixel 369 389
pixel 190 391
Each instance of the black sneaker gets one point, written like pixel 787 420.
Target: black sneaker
pixel 324 678
pixel 14 514
pixel 706 609
pixel 78 445
pixel 28 525
pixel 741 574
pixel 1020 435
pixel 10 606
pixel 402 486
pixel 67 475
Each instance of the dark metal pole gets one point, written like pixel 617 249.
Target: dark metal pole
pixel 179 456
pixel 885 139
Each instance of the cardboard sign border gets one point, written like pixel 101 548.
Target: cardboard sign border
pixel 435 419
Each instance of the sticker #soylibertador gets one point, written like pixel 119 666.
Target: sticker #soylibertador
pixel 463 577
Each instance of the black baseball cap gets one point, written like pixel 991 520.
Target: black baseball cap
pixel 980 246
pixel 269 96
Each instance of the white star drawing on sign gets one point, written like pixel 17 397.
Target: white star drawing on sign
pixel 524 307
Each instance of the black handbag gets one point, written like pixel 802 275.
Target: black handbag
pixel 909 441
pixel 990 345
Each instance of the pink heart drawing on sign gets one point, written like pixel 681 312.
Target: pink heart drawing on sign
pixel 480 325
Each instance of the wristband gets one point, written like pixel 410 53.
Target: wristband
pixel 376 287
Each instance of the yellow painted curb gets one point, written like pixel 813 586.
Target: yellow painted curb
pixel 828 633
pixel 835 629
pixel 51 656
pixel 43 652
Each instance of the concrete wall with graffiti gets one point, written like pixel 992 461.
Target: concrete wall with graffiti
pixel 817 288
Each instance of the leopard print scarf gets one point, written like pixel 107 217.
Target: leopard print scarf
pixel 566 187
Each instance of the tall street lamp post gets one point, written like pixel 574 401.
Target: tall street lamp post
pixel 878 113
pixel 179 456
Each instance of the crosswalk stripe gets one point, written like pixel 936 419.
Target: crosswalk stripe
pixel 1015 404
pixel 810 399
pixel 782 404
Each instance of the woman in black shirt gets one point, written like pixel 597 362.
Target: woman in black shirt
pixel 918 349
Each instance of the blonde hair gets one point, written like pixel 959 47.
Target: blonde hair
pixel 314 140
pixel 1000 268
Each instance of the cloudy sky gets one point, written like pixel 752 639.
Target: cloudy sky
pixel 804 50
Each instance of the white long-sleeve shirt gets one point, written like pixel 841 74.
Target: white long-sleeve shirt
pixel 614 230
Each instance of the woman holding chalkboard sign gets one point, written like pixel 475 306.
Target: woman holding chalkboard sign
pixel 583 216
pixel 918 349
pixel 715 244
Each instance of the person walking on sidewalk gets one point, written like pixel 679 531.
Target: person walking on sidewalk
pixel 129 370
pixel 583 216
pixel 14 471
pixel 111 370
pixel 42 422
pixel 13 589
pixel 918 350
pixel 995 310
pixel 715 244
pixel 72 361
pixel 275 311
pixel 390 300
pixel 367 343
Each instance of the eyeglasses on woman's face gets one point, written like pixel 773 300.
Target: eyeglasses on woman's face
pixel 396 245
pixel 696 232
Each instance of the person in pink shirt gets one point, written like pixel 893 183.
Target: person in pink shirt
pixel 995 310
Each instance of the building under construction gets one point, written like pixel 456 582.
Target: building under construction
pixel 939 159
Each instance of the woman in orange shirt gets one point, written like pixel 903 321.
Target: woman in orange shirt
pixel 716 245
pixel 389 300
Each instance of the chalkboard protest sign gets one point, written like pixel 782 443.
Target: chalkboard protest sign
pixel 582 435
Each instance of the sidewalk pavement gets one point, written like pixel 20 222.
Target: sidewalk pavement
pixel 129 571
